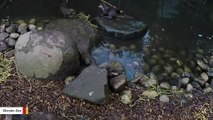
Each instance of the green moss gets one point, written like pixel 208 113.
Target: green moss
pixel 83 16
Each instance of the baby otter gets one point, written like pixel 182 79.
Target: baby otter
pixel 109 11
pixel 67 12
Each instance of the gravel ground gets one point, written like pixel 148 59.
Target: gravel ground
pixel 48 96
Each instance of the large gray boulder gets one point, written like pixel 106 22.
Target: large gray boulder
pixel 80 31
pixel 91 85
pixel 46 54
pixel 122 28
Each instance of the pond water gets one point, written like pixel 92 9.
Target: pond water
pixel 180 30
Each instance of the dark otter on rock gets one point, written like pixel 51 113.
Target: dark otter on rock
pixel 65 10
pixel 109 11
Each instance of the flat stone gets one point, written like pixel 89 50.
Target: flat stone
pixel 91 85
pixel 122 28
pixel 164 98
pixel 118 83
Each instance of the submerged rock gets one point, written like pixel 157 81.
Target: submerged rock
pixel 90 85
pixel 46 55
pixel 122 28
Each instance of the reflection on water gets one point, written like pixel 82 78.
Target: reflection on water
pixel 131 58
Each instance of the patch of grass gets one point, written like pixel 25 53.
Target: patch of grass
pixel 88 18
pixel 202 113
pixel 83 16
pixel 6 67
pixel 162 91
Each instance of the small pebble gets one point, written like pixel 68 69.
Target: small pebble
pixel 14 35
pixel 185 81
pixel 20 21
pixel 207 90
pixel 189 88
pixel 22 28
pixel 31 27
pixel 165 85
pixel 32 21
pixel 126 97
pixel 174 88
pixel 69 79
pixel 150 94
pixel 164 98
pixel 3 46
pixel 11 42
pixel 3 36
pixel 39 28
pixel 204 76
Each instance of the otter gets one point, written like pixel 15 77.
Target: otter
pixel 67 12
pixel 109 11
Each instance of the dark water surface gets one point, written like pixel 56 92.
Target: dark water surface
pixel 180 26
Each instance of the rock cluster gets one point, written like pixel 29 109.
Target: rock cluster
pixel 172 73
